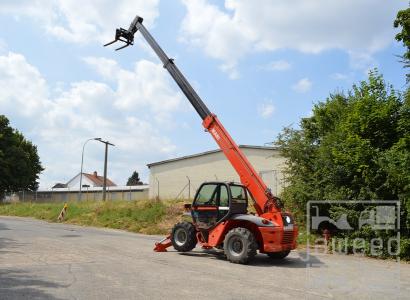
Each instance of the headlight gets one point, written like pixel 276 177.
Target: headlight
pixel 288 220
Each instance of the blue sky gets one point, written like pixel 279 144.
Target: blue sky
pixel 259 65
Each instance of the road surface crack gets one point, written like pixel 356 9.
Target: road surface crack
pixel 74 280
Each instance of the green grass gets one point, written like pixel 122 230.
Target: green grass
pixel 149 217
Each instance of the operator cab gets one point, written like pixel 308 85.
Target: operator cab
pixel 214 202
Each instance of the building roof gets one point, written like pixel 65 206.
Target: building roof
pixel 59 185
pixel 94 178
pixel 208 152
pixel 98 180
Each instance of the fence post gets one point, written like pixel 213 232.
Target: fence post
pixel 157 187
pixel 189 188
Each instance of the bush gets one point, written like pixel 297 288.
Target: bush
pixel 355 146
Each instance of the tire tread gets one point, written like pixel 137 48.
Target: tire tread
pixel 251 250
pixel 191 237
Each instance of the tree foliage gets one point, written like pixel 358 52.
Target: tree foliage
pixel 134 179
pixel 403 21
pixel 354 147
pixel 19 162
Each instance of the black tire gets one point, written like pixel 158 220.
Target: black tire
pixel 183 237
pixel 278 255
pixel 240 245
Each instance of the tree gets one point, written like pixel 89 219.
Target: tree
pixel 19 162
pixel 354 147
pixel 403 21
pixel 134 179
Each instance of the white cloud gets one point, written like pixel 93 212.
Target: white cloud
pixel 362 61
pixel 308 26
pixel 3 46
pixel 108 68
pixel 128 112
pixel 22 88
pixel 208 27
pixel 266 110
pixel 278 65
pixel 80 22
pixel 339 76
pixel 147 86
pixel 302 86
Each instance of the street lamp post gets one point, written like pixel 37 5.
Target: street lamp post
pixel 82 161
pixel 105 166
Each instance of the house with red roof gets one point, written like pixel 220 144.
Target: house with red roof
pixel 89 180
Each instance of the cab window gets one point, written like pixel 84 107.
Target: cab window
pixel 206 195
pixel 223 198
pixel 238 194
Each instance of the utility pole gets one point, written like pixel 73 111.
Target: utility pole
pixel 105 167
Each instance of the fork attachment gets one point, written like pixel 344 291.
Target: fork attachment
pixel 126 36
pixel 162 245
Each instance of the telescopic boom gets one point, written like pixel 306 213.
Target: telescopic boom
pixel 264 200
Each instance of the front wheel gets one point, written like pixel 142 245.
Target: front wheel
pixel 240 245
pixel 183 237
pixel 278 255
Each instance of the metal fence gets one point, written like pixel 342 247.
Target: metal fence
pixel 65 196
pixel 185 188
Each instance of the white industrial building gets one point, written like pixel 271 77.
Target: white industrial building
pixel 180 177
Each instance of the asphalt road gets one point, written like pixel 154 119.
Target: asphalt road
pixel 39 260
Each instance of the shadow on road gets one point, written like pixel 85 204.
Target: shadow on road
pixel 3 227
pixel 288 262
pixel 262 260
pixel 6 243
pixel 16 284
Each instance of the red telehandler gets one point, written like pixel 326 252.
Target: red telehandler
pixel 219 211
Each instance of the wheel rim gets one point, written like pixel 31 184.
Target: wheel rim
pixel 180 236
pixel 235 246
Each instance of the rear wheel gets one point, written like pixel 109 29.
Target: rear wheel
pixel 278 255
pixel 183 237
pixel 239 245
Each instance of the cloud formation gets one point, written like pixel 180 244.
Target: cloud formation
pixel 278 65
pixel 82 21
pixel 266 109
pixel 303 85
pixel 358 27
pixel 126 111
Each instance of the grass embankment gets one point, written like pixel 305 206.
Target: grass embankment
pixel 148 217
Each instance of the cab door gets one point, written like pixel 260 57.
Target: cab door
pixel 205 206
pixel 223 201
